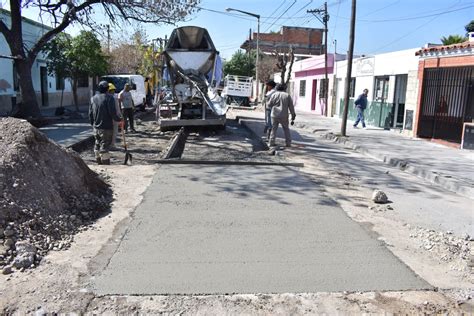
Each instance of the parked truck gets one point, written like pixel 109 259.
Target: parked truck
pixel 237 89
pixel 137 83
pixel 191 63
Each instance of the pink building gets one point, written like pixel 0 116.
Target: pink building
pixel 308 77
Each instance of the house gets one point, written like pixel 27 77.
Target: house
pixel 391 79
pixel 307 85
pixel 48 88
pixel 305 41
pixel 446 94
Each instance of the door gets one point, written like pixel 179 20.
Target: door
pixel 380 96
pixel 313 95
pixel 44 86
pixel 446 102
pixel 398 109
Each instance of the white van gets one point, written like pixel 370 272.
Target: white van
pixel 136 82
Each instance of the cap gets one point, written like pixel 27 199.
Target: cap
pixel 103 86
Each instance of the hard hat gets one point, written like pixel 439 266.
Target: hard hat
pixel 111 86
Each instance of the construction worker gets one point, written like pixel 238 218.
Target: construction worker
pixel 282 105
pixel 102 114
pixel 111 91
pixel 128 107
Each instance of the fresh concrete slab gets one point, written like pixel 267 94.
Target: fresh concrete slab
pixel 68 134
pixel 235 229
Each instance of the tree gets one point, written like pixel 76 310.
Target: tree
pixel 470 27
pixel 452 39
pixel 284 64
pixel 241 64
pixel 65 12
pixel 267 66
pixel 126 55
pixel 75 58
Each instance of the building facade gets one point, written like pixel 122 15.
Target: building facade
pixel 50 90
pixel 446 95
pixel 303 40
pixel 391 79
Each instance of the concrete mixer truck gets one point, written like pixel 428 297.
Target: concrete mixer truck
pixel 193 70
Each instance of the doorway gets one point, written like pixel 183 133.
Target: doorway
pixel 44 86
pixel 313 95
pixel 398 108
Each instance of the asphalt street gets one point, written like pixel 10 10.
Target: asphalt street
pixel 235 229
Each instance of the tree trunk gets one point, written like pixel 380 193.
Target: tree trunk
pixel 29 106
pixel 74 93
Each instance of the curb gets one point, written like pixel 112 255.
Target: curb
pixel 227 162
pixel 82 144
pixel 252 132
pixel 403 165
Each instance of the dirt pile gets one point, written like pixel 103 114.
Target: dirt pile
pixel 47 195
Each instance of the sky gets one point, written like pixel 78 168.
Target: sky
pixel 381 25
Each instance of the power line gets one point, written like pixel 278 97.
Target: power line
pixel 274 11
pixel 414 17
pixel 280 16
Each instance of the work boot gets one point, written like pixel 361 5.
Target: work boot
pixel 106 161
pixel 98 160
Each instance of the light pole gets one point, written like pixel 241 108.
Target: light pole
pixel 258 32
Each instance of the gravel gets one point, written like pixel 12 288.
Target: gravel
pixel 48 194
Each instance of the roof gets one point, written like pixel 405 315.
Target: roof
pixel 26 20
pixel 445 48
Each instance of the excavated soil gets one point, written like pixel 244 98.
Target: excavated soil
pixel 47 194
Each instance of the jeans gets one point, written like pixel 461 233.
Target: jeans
pixel 128 117
pixel 360 117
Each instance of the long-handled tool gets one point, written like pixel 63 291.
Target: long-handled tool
pixel 128 156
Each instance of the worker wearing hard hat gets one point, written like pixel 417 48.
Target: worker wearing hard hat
pixel 102 114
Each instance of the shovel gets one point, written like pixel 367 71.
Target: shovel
pixel 128 156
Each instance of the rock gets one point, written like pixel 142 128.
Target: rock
pixel 26 253
pixel 24 260
pixel 9 242
pixel 379 197
pixel 9 232
pixel 7 270
pixel 24 246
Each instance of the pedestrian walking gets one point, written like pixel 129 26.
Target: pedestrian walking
pixel 281 104
pixel 119 113
pixel 102 114
pixel 270 89
pixel 361 104
pixel 128 107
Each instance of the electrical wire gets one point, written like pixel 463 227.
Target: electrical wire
pixel 281 16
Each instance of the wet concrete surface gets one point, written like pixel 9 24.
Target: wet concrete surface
pixel 234 229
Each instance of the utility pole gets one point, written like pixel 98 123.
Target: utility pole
pixel 323 16
pixel 349 70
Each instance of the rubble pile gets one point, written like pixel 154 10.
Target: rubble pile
pixel 47 195
pixel 446 246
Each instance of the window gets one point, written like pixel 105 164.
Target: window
pixel 59 82
pixel 381 88
pixel 302 88
pixel 83 81
pixel 352 87
pixel 323 88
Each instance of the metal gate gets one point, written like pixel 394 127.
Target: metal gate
pixel 446 102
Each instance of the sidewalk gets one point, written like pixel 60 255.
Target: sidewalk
pixel 66 131
pixel 450 168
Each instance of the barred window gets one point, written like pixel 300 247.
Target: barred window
pixel 302 88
